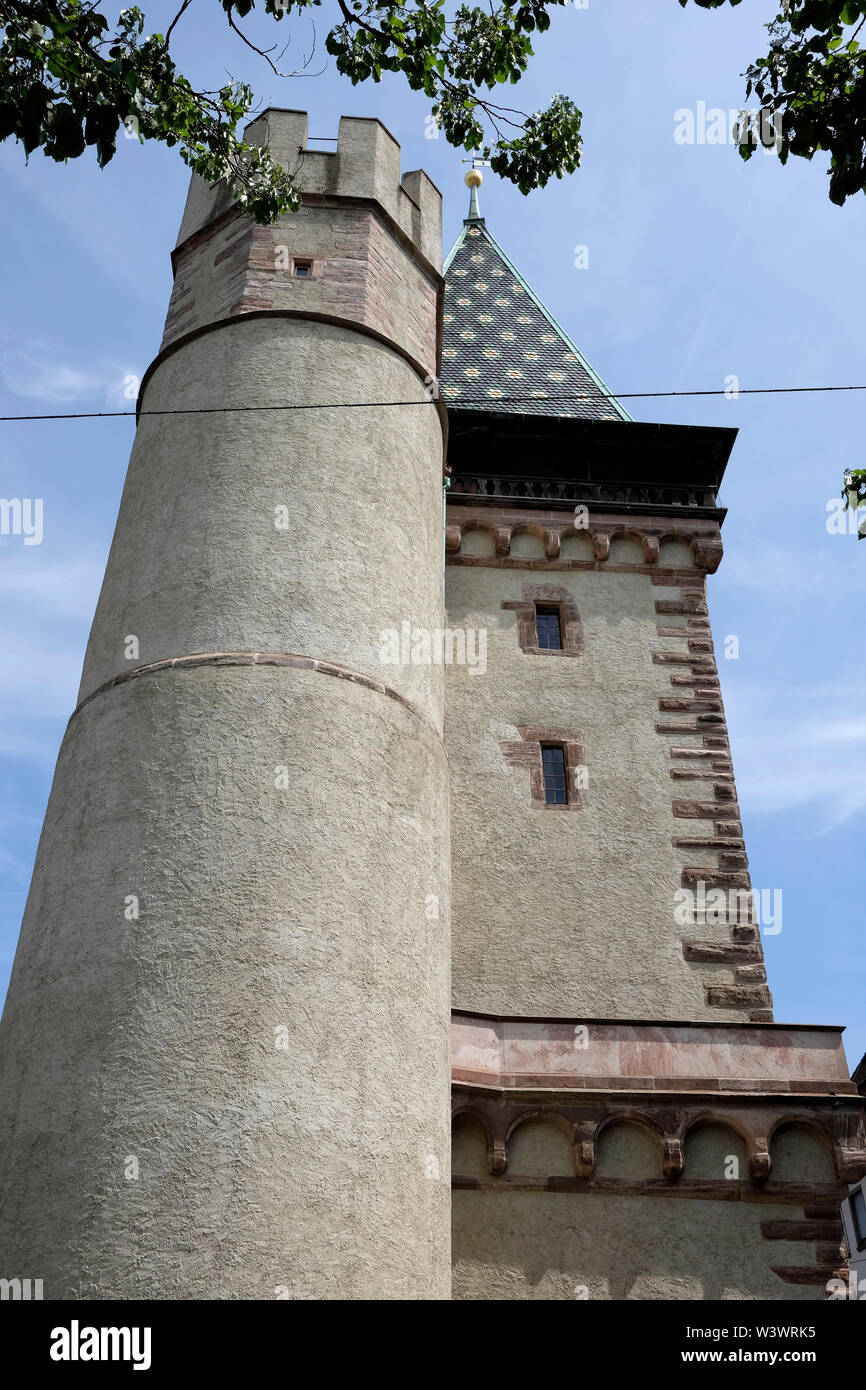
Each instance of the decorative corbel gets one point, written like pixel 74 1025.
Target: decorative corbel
pixel 760 1162
pixel 600 545
pixel 672 1159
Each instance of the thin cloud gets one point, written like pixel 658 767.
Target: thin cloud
pixel 33 372
pixel 777 571
pixel 69 590
pixel 37 682
pixel 45 380
pixel 816 764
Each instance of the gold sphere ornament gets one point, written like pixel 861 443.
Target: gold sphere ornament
pixel 474 178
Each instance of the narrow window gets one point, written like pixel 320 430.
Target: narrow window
pixel 858 1213
pixel 303 270
pixel 553 764
pixel 547 627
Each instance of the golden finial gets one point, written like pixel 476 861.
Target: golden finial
pixel 473 181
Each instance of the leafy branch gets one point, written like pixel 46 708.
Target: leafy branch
pixel 68 81
pixel 814 77
pixel 854 493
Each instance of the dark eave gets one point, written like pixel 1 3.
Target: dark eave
pixel 619 465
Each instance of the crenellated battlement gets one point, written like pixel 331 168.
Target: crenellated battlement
pixel 364 248
pixel 365 165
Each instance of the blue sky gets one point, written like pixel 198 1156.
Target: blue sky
pixel 700 267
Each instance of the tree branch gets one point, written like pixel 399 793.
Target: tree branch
pixel 184 6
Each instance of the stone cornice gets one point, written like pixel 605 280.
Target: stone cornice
pixel 603 1055
pixel 553 525
pixel 667 1118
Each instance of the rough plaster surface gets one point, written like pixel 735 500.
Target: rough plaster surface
pixel 799 1156
pixel 624 1151
pixel 539 1149
pixel 573 914
pixel 306 1165
pixel 708 1149
pixel 316 1159
pixel 545 1245
pixel 197 563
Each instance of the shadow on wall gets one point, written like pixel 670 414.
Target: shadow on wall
pixel 623 1242
pixel 625 1149
pixel 530 540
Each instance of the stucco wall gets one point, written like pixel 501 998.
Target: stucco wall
pixel 198 564
pixel 636 1235
pixel 544 1245
pixel 298 1159
pixel 569 912
pixel 269 1039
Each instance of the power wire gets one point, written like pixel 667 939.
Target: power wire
pixel 456 402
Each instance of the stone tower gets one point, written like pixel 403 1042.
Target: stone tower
pixel 224 1055
pixel 629 1121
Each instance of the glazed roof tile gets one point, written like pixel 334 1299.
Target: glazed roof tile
pixel 502 349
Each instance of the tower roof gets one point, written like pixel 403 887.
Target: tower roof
pixel 502 349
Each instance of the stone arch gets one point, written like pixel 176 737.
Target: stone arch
pixel 540 1144
pixel 528 540
pixel 801 1151
pixel 470 1144
pixel 629 1146
pixel 627 547
pixel 477 538
pixel 676 551
pixel 575 543
pixel 709 1143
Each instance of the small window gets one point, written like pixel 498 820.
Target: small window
pixel 303 270
pixel 547 627
pixel 858 1216
pixel 553 765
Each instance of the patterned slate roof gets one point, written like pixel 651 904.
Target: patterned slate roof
pixel 502 349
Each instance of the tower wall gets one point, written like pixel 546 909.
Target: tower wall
pixel 612 1160
pixel 629 1122
pixel 634 696
pixel 533 1245
pixel 224 1051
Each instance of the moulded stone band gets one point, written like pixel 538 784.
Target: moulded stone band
pixel 306 663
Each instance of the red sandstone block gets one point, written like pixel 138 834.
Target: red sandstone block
pixel 716 878
pixel 801 1274
pixel 720 953
pixel 737 997
pixel 754 974
pixel 803 1230
pixel 706 810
